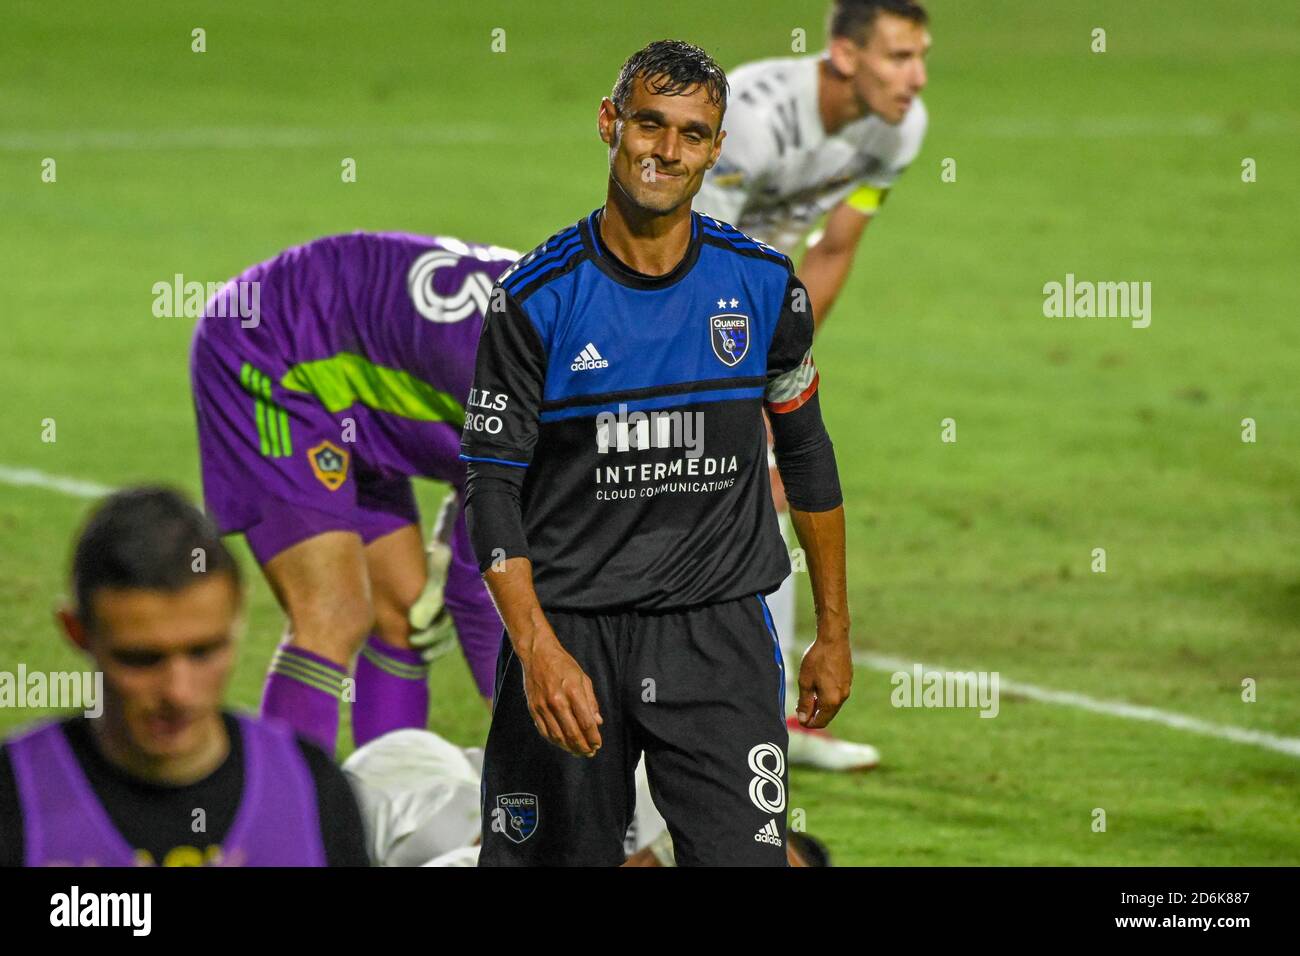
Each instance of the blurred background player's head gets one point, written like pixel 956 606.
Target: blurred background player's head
pixel 878 47
pixel 663 124
pixel 156 603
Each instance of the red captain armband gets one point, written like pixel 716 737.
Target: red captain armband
pixel 787 392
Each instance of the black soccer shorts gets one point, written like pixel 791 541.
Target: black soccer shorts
pixel 700 691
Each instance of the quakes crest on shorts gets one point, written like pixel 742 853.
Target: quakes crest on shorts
pixel 729 334
pixel 329 462
pixel 519 813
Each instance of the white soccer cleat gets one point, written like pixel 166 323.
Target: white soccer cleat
pixel 818 749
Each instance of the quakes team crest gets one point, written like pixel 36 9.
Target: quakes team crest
pixel 330 464
pixel 729 334
pixel 520 813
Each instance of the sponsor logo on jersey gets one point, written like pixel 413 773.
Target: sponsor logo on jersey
pixel 330 464
pixel 769 834
pixel 521 815
pixel 471 295
pixel 729 334
pixel 628 431
pixel 588 358
pixel 483 421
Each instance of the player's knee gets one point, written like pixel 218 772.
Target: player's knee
pixel 392 624
pixel 336 629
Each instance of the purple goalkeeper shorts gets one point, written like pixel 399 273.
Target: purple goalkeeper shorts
pixel 276 465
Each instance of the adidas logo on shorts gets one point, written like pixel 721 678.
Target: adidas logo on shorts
pixel 588 358
pixel 769 834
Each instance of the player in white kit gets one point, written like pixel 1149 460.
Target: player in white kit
pixel 819 136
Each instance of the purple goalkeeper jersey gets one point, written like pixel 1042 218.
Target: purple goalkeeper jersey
pixel 382 326
pixel 326 377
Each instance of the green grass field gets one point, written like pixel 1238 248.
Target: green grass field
pixel 1073 434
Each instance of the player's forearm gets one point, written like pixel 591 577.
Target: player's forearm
pixel 806 459
pixel 511 587
pixel 821 535
pixel 495 527
pixel 824 271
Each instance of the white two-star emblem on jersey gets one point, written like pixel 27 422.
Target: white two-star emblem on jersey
pixel 722 303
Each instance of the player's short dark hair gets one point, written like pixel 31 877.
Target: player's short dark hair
pixel 145 538
pixel 810 849
pixel 672 67
pixel 853 19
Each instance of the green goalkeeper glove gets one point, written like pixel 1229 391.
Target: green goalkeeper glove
pixel 432 632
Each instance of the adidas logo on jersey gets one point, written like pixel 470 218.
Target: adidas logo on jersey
pixel 588 358
pixel 769 834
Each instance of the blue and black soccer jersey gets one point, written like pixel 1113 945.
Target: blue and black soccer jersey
pixel 635 404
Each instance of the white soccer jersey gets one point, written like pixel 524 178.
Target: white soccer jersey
pixel 780 172
pixel 419 797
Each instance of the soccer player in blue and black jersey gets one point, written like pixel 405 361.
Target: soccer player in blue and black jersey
pixel 619 506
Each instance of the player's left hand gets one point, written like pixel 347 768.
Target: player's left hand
pixel 825 677
pixel 432 632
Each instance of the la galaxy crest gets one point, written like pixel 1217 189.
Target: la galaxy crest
pixel 518 815
pixel 330 464
pixel 729 335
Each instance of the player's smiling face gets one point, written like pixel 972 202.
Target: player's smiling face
pixel 661 145
pixel 166 658
pixel 888 71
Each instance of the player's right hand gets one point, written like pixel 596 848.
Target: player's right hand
pixel 561 699
pixel 825 676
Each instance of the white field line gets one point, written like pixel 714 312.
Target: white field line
pixel 1111 708
pixel 30 477
pixel 455 134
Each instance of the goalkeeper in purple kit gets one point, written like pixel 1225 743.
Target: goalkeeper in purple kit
pixel 313 416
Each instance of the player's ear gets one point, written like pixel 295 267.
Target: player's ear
pixel 72 626
pixel 605 120
pixel 717 149
pixel 843 54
